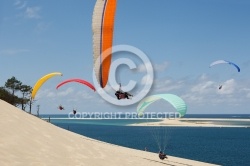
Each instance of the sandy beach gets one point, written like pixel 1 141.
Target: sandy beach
pixel 28 140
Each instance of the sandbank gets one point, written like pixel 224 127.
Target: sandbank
pixel 195 122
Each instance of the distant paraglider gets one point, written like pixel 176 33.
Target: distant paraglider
pixel 60 107
pixel 41 81
pixel 224 62
pixel 77 80
pixel 74 111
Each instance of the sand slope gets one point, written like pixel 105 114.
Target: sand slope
pixel 28 140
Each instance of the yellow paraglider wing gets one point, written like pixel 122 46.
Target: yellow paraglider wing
pixel 102 26
pixel 41 81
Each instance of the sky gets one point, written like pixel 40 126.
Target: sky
pixel 180 37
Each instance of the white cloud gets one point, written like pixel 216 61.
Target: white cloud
pixel 41 26
pixel 32 12
pixel 48 93
pixel 17 2
pixel 156 67
pixel 43 93
pixel 204 92
pixel 203 87
pixel 20 4
pixel 84 95
pixel 161 67
pixel 27 11
pixel 13 51
pixel 66 92
pixel 167 85
pixel 203 77
pixel 201 91
pixel 143 67
pixel 193 98
pixel 146 80
pixel 51 94
pixel 247 91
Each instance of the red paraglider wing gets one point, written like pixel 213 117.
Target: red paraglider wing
pixel 76 80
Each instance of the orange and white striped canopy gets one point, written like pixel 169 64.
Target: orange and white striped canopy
pixel 103 27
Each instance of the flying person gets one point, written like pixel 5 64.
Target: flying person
pixel 61 107
pixel 74 111
pixel 120 94
pixel 162 156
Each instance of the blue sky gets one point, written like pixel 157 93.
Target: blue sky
pixel 180 37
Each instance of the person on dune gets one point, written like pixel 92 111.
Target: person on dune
pixel 162 156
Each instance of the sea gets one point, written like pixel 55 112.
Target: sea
pixel 216 145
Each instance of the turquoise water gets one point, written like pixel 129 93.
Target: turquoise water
pixel 244 120
pixel 119 122
pixel 224 146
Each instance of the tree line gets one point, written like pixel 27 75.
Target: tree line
pixel 16 93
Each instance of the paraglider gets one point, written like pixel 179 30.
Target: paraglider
pixel 225 62
pixel 120 94
pixel 160 133
pixel 174 100
pixel 217 62
pixel 77 80
pixel 60 107
pixel 74 111
pixel 102 27
pixel 41 81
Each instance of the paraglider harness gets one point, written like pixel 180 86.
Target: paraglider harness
pixel 61 107
pixel 122 95
pixel 162 156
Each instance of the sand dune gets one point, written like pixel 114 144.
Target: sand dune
pixel 28 140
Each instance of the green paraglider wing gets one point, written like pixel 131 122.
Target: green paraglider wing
pixel 174 100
